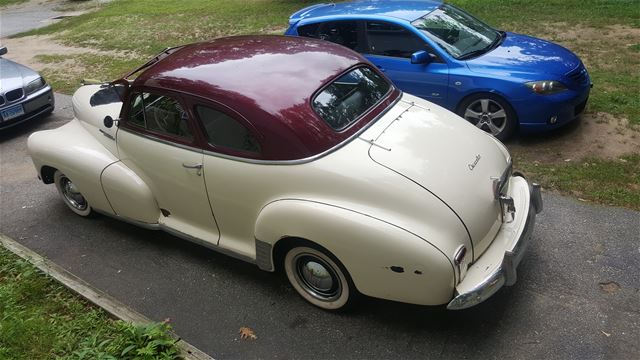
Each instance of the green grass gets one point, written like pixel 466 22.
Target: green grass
pixel 609 182
pixel 41 319
pixel 10 2
pixel 538 15
pixel 148 26
pixel 87 66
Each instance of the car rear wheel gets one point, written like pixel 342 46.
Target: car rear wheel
pixel 489 113
pixel 71 195
pixel 318 278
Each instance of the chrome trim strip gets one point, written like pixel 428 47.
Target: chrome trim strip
pixel 107 135
pixel 206 244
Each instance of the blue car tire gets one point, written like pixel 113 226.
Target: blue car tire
pixel 489 112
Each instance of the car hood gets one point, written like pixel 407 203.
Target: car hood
pixel 521 54
pixel 14 75
pixel 450 158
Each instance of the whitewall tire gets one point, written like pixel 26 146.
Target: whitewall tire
pixel 71 195
pixel 318 278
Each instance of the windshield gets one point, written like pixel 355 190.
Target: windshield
pixel 350 96
pixel 458 33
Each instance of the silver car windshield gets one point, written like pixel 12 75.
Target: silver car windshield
pixel 458 33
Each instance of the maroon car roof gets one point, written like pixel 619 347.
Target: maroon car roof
pixel 270 81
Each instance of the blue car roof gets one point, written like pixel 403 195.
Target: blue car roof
pixel 408 10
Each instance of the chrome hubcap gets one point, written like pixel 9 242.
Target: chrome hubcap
pixel 317 277
pixel 487 115
pixel 72 195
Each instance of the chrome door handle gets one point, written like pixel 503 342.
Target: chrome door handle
pixel 193 166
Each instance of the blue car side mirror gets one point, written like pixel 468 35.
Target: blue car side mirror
pixel 421 57
pixel 3 50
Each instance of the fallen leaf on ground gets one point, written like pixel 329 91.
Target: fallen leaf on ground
pixel 609 287
pixel 247 333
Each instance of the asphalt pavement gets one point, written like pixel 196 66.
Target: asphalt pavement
pixel 577 295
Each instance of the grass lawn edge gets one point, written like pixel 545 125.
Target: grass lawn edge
pixel 100 299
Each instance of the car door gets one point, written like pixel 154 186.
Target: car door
pixel 156 139
pixel 389 46
pixel 232 148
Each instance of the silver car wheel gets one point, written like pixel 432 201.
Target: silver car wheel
pixel 488 115
pixel 317 278
pixel 71 195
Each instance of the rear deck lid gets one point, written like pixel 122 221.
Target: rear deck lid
pixel 450 158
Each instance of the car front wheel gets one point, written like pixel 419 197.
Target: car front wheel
pixel 71 195
pixel 489 113
pixel 318 278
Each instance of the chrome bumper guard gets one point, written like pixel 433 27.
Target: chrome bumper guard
pixel 505 274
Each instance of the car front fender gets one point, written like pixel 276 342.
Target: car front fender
pixel 383 260
pixel 76 153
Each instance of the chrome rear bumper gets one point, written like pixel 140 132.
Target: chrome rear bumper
pixel 487 283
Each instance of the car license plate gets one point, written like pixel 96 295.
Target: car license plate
pixel 12 112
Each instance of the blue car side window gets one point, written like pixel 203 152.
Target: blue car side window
pixel 388 39
pixel 343 32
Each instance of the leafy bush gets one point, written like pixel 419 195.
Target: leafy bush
pixel 135 342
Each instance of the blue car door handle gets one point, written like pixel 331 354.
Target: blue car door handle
pixel 381 68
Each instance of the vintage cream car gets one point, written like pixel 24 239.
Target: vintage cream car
pixel 298 154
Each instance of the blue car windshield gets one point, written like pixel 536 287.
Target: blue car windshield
pixel 458 33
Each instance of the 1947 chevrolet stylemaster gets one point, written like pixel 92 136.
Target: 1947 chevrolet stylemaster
pixel 298 154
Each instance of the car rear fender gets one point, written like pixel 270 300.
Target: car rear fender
pixel 384 260
pixel 76 153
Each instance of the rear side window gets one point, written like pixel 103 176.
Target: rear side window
pixel 310 30
pixel 344 33
pixel 223 130
pixel 350 96
pixel 388 39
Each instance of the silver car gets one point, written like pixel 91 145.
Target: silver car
pixel 24 94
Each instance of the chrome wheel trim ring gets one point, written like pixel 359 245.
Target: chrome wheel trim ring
pixel 71 194
pixel 487 115
pixel 317 277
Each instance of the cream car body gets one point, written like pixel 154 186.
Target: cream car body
pixel 392 208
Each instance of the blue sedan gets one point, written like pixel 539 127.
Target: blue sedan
pixel 499 81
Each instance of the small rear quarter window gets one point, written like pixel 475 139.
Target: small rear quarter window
pixel 350 96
